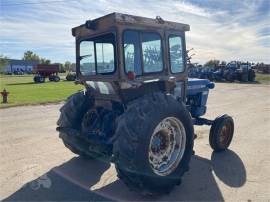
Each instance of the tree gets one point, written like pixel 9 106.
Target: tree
pixel 30 55
pixel 3 62
pixel 44 61
pixel 73 67
pixel 68 66
pixel 212 63
pixel 61 68
pixel 223 63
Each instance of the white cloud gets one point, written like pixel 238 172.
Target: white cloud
pixel 46 28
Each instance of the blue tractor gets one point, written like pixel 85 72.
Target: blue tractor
pixel 240 71
pixel 139 108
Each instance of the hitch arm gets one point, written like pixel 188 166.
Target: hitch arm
pixel 202 121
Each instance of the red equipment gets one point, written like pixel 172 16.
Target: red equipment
pixel 42 71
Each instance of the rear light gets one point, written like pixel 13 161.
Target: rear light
pixel 131 75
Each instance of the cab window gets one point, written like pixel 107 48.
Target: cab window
pixel 152 52
pixel 132 53
pixel 176 54
pixel 97 55
pixel 87 58
pixel 142 52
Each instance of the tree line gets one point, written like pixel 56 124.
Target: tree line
pixel 31 56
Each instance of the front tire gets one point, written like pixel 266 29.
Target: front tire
pixel 134 136
pixel 221 133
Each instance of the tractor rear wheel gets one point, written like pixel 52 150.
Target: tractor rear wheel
pixel 75 150
pixel 221 133
pixel 153 144
pixel 69 123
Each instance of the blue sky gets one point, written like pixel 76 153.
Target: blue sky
pixel 220 29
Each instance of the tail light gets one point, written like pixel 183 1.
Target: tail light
pixel 131 75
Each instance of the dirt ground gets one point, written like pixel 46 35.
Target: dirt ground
pixel 35 166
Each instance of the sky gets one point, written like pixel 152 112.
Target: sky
pixel 220 29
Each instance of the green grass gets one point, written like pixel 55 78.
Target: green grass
pixel 263 78
pixel 23 91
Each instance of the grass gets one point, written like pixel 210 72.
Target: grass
pixel 263 78
pixel 23 91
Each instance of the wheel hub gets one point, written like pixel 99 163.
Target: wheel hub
pixel 167 146
pixel 225 134
pixel 160 142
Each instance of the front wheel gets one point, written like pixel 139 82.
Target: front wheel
pixel 154 144
pixel 221 133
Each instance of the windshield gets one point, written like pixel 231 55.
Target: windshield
pixel 97 55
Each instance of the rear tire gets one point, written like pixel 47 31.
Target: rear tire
pixel 70 121
pixel 133 139
pixel 221 133
pixel 75 150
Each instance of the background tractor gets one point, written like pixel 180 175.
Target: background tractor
pixel 240 71
pixel 138 108
pixel 231 72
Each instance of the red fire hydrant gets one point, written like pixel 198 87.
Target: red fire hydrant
pixel 5 96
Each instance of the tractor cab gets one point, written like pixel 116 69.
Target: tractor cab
pixel 123 57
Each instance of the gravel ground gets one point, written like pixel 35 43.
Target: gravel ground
pixel 35 166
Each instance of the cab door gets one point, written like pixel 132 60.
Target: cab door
pixel 176 49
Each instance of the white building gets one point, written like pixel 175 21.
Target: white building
pixel 20 66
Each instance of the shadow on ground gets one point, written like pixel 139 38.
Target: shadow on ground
pixel 19 84
pixel 72 180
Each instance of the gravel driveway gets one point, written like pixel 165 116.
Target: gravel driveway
pixel 35 166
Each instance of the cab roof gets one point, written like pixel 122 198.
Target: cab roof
pixel 116 19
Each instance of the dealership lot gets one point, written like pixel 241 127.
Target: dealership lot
pixel 36 166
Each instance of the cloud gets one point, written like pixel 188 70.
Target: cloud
pixel 218 29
